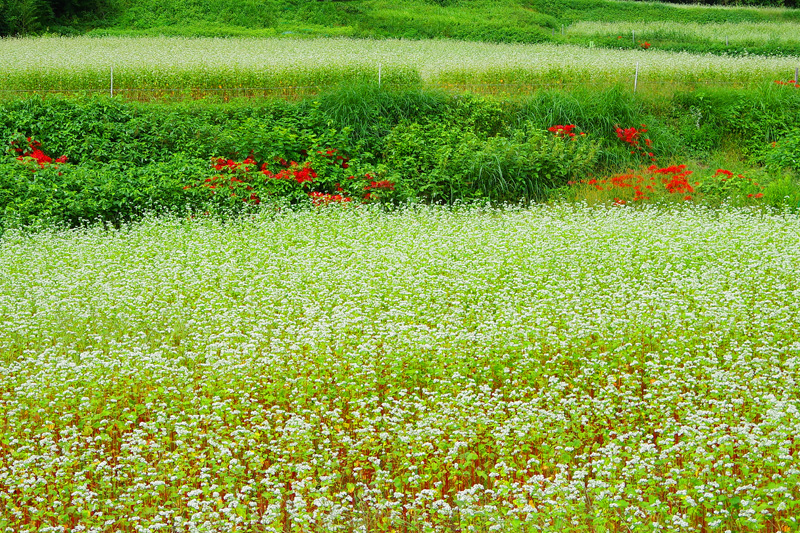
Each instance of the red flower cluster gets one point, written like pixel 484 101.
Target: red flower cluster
pixel 563 130
pixel 220 163
pixel 645 45
pixel 304 174
pixel 632 136
pixel 621 181
pixel 244 179
pixel 676 181
pixel 790 83
pixel 319 198
pixel 35 152
pixel 383 184
pixel 673 180
pixel 375 185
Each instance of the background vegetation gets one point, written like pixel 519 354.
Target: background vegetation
pixel 475 20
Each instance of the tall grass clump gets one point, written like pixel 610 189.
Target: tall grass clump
pixel 370 111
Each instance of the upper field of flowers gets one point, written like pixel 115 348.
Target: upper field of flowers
pixel 176 63
pixel 560 368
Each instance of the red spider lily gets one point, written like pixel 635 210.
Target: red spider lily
pixel 220 163
pixel 727 173
pixel 563 130
pixel 645 45
pixel 36 153
pixel 676 182
pixel 305 174
pixel 630 135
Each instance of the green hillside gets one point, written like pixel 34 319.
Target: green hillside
pixel 473 20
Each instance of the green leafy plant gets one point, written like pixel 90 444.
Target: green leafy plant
pixel 785 153
pixel 443 164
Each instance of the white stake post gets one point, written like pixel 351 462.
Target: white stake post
pixel 636 78
pixel 726 41
pixel 633 36
pixel 795 74
pixel 112 81
pixel 379 75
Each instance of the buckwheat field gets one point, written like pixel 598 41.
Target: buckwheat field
pixel 164 63
pixel 558 368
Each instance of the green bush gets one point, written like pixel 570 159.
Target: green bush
pixel 102 130
pixel 785 153
pixel 441 162
pixel 370 112
pixel 79 194
pixel 750 119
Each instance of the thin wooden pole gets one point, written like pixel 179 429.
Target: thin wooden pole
pixel 636 78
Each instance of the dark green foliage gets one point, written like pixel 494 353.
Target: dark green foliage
pixel 23 16
pixel 369 112
pixel 455 157
pixel 126 158
pixel 785 153
pixel 102 130
pixel 750 119
pixel 79 194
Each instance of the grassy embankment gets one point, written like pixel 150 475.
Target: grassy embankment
pixel 770 31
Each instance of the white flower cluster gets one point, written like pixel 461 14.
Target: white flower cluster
pixel 423 369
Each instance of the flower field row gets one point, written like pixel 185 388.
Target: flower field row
pixel 347 368
pixel 733 33
pixel 174 64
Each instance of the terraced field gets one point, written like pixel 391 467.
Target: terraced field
pixel 75 64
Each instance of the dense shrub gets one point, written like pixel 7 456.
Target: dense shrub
pixel 750 119
pixel 785 153
pixel 112 192
pixel 443 162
